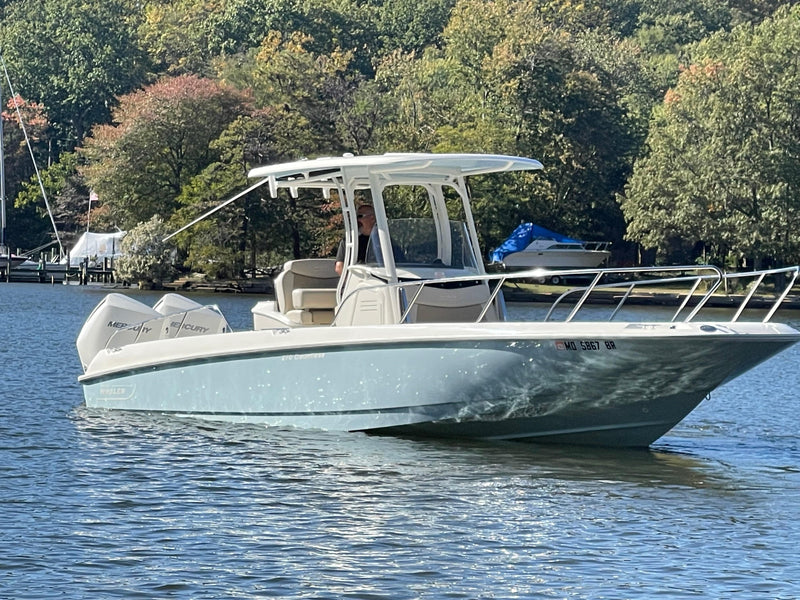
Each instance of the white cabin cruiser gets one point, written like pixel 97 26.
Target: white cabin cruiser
pixel 417 340
pixel 552 254
pixel 531 246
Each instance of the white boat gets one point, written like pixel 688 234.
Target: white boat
pixel 531 246
pixel 418 340
pixel 8 258
pixel 93 248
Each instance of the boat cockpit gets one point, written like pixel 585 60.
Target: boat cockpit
pixel 424 232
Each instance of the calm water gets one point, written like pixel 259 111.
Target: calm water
pixel 98 505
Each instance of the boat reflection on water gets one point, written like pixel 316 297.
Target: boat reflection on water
pixel 367 460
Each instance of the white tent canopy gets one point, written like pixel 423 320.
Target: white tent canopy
pixel 96 247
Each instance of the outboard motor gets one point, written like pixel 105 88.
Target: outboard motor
pixel 185 317
pixel 174 303
pixel 120 320
pixel 115 314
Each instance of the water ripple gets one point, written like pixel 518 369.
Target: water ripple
pixel 113 505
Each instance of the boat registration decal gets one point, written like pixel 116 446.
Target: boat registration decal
pixel 590 345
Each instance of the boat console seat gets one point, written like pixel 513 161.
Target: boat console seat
pixel 306 290
pixel 461 304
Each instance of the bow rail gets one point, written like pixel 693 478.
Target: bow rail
pixel 689 287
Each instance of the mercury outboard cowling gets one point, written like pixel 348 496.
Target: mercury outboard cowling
pixel 120 320
pixel 115 314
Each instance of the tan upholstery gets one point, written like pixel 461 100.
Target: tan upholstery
pixel 314 298
pixel 306 290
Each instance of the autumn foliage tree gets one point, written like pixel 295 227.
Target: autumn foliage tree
pixel 161 137
pixel 183 97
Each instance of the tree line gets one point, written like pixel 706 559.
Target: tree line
pixel 671 128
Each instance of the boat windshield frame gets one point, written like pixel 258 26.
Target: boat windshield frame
pixel 418 243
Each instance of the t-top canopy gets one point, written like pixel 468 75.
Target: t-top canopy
pixel 356 172
pixel 406 168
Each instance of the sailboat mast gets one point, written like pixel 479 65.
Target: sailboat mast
pixel 2 179
pixel 33 159
pixel 4 251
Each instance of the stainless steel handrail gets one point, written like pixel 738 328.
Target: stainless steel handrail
pixel 712 276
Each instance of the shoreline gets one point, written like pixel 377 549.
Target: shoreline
pixel 263 286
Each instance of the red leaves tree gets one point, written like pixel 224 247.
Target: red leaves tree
pixel 161 137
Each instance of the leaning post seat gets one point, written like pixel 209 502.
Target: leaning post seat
pixel 306 290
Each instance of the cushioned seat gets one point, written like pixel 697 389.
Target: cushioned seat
pixel 306 290
pixel 312 298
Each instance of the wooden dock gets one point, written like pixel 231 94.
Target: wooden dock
pixel 53 273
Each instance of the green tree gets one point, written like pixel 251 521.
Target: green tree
pixel 755 11
pixel 722 170
pixel 187 36
pixel 255 232
pixel 286 73
pixel 174 36
pixel 146 259
pixel 68 197
pixel 346 108
pixel 411 25
pixel 509 82
pixel 74 58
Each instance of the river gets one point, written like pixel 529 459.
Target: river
pixel 112 505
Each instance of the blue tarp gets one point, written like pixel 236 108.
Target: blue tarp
pixel 521 237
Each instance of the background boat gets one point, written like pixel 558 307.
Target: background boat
pixel 532 246
pixel 94 253
pixel 10 259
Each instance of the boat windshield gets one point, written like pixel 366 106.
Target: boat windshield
pixel 417 243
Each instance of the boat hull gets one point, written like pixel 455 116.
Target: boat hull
pixel 606 384
pixel 15 260
pixel 557 259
